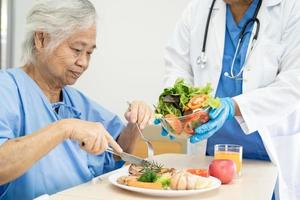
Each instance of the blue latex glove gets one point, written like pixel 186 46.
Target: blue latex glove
pixel 163 131
pixel 217 119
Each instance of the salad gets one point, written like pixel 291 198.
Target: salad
pixel 182 108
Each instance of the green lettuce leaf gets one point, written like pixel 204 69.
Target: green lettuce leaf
pixel 168 98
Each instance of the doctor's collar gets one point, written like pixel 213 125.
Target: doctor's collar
pixel 268 3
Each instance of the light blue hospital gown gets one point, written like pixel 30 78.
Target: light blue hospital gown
pixel 25 109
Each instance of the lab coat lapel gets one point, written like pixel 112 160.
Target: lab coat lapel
pixel 270 3
pixel 215 43
pixel 218 24
pixel 255 60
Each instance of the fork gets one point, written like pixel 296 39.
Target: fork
pixel 148 143
pixel 150 150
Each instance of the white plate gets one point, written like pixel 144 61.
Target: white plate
pixel 162 193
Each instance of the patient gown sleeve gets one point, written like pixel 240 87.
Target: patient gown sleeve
pixel 10 118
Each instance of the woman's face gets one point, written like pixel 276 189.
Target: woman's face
pixel 70 59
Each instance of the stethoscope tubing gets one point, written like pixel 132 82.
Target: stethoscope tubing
pixel 231 75
pixel 202 59
pixel 207 25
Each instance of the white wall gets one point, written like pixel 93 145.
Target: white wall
pixel 128 63
pixel 20 9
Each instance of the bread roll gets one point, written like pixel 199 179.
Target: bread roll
pixel 183 180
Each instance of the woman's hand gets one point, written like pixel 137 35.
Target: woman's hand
pixel 92 136
pixel 139 112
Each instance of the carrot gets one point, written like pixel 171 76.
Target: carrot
pixel 197 101
pixel 135 183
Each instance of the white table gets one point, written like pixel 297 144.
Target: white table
pixel 256 183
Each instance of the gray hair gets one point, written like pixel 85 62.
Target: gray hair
pixel 59 19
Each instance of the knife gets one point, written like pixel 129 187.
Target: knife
pixel 129 157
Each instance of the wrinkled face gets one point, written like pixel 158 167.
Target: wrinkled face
pixel 71 58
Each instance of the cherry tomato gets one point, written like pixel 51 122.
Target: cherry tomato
pixel 187 127
pixel 199 116
pixel 175 123
pixel 203 117
pixel 199 172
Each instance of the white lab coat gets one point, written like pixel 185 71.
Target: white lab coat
pixel 270 102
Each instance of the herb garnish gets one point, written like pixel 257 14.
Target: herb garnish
pixel 151 166
pixel 150 170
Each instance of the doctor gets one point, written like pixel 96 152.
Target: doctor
pixel 249 50
pixel 52 136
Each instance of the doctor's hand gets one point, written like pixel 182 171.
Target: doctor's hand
pixel 139 112
pixel 92 136
pixel 217 119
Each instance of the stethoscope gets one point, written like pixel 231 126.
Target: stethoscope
pixel 202 59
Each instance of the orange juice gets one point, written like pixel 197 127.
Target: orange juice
pixel 236 157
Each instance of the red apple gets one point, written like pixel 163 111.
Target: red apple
pixel 223 170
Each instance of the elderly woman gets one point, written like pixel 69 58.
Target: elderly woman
pixel 52 136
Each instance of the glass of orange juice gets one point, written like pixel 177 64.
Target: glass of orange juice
pixel 232 152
